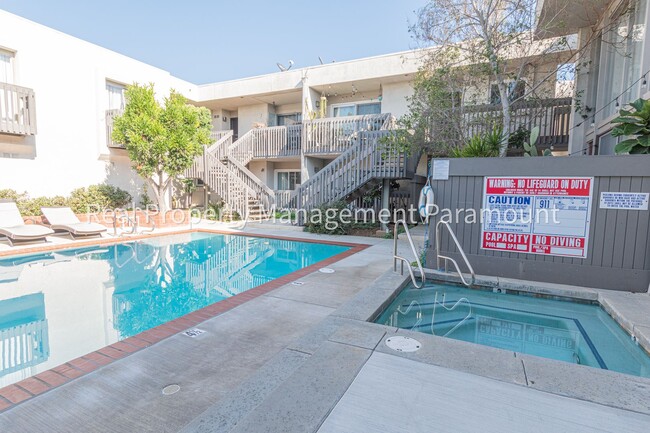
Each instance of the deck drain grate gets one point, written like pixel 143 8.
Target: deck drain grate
pixel 327 270
pixel 297 283
pixel 171 389
pixel 403 344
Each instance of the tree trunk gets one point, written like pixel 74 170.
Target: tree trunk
pixel 505 109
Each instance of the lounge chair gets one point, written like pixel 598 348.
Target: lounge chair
pixel 62 218
pixel 14 228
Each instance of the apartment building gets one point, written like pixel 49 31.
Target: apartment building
pixel 613 59
pixel 307 135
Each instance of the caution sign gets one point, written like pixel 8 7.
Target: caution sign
pixel 537 215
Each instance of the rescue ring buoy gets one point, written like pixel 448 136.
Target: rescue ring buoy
pixel 425 205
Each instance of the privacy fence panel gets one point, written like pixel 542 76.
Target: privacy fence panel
pixel 618 248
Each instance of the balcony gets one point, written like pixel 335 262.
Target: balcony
pixel 552 116
pixel 17 110
pixel 110 116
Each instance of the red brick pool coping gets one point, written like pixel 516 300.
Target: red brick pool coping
pixel 26 389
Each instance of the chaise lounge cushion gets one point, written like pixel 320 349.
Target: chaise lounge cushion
pixel 62 218
pixel 13 226
pixel 24 232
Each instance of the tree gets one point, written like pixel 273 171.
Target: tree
pixel 493 39
pixel 162 140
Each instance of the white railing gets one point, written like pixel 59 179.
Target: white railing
pixel 222 141
pixel 336 134
pixel 17 110
pixel 23 346
pixel 364 160
pixel 267 143
pixel 262 192
pixel 110 121
pixel 222 181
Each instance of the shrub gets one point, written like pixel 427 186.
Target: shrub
pixel 328 220
pixel 32 206
pixel 82 200
pixel 480 145
pixel 635 125
pixel 88 199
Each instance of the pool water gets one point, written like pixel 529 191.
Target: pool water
pixel 567 331
pixel 60 305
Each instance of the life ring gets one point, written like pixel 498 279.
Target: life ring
pixel 425 205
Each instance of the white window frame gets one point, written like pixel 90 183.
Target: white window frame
pixel 355 105
pixel 284 170
pixel 115 84
pixel 12 55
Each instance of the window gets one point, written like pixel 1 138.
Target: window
pixel 516 90
pixel 6 67
pixel 115 95
pixel 356 109
pixel 287 180
pixel 621 52
pixel 366 109
pixel 289 119
pixel 345 110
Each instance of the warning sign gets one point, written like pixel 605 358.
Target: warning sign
pixel 538 215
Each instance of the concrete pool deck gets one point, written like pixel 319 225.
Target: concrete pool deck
pixel 302 358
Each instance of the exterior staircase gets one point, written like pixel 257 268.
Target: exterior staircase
pixel 366 163
pixel 362 163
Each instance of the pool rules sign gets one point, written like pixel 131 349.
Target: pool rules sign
pixel 537 215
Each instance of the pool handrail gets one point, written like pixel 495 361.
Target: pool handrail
pixel 447 258
pixel 402 259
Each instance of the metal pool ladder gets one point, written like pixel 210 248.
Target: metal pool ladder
pixel 447 258
pixel 402 259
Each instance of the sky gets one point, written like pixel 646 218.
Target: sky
pixel 205 41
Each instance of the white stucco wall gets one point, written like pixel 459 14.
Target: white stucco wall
pixel 394 98
pixel 69 77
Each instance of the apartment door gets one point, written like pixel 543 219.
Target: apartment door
pixel 234 125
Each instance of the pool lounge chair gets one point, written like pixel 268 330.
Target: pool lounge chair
pixel 62 218
pixel 14 228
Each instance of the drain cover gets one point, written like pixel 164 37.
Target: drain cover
pixel 327 270
pixel 403 344
pixel 171 389
pixel 297 283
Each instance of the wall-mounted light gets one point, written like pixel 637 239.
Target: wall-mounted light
pixel 224 118
pixel 317 104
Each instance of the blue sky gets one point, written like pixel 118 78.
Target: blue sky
pixel 204 41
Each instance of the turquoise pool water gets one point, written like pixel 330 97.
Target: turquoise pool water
pixel 60 305
pixel 566 331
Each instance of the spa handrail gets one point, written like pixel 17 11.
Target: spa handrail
pixel 439 256
pixel 402 259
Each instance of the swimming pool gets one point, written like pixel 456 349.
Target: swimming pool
pixel 59 305
pixel 574 332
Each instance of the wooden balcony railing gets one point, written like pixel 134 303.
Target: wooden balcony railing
pixel 552 116
pixel 335 135
pixel 110 115
pixel 17 110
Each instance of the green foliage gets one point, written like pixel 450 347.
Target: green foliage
pixel 530 148
pixel 434 119
pixel 215 210
pixel 82 200
pixel 518 138
pixel 98 197
pixel 634 124
pixel 162 140
pixel 328 219
pixel 481 145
